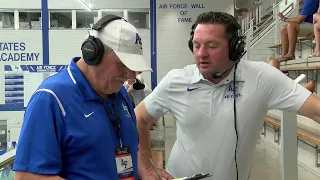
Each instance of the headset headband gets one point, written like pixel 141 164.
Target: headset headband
pixel 104 21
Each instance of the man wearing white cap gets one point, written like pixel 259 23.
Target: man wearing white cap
pixel 80 124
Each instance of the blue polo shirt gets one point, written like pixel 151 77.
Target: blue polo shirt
pixel 309 7
pixel 67 131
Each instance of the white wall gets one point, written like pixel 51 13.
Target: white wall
pixel 172 36
pixel 64 45
pixel 100 4
pixel 72 4
pixel 260 52
pixel 21 4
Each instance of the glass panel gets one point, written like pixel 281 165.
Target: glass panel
pixel 86 19
pixel 29 20
pixel 6 173
pixel 7 20
pixel 139 19
pixel 60 20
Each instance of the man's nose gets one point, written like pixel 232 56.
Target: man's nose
pixel 128 73
pixel 202 52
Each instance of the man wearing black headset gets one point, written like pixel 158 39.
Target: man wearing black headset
pixel 219 104
pixel 80 123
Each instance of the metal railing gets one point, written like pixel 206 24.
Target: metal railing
pixel 254 20
pixel 6 162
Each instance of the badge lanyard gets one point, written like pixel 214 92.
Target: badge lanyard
pixel 123 156
pixel 116 122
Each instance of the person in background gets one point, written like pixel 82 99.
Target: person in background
pixel 219 103
pixel 316 30
pixel 80 124
pixel 139 76
pixel 138 90
pixel 300 25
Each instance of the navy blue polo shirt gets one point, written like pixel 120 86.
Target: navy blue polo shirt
pixel 309 7
pixel 67 131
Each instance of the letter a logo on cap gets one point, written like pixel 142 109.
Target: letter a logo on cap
pixel 138 40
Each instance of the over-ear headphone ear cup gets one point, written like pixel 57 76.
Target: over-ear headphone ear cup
pixel 92 51
pixel 232 48
pixel 100 52
pixel 190 43
pixel 236 48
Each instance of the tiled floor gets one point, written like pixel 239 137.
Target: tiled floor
pixel 266 163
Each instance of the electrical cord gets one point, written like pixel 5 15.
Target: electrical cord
pixel 235 118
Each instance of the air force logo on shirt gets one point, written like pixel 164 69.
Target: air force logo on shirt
pixel 125 108
pixel 231 92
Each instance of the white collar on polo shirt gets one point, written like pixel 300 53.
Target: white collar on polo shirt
pixel 197 76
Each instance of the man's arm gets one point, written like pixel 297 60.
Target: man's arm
pixel 38 153
pixel 299 19
pixel 311 108
pixel 18 175
pixel 144 120
pixel 145 170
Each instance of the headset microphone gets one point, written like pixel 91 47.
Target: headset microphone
pixel 218 75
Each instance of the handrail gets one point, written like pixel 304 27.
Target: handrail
pixel 271 17
pixel 7 158
pixel 277 4
pixel 288 7
pixel 272 6
pixel 246 20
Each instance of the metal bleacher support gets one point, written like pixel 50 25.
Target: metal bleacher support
pixel 289 151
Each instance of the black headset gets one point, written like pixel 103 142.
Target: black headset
pixel 138 85
pixel 237 43
pixel 93 49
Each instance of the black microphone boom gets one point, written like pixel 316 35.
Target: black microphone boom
pixel 218 75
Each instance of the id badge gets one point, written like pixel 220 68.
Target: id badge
pixel 124 164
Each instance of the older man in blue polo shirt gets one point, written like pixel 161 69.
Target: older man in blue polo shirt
pixel 80 124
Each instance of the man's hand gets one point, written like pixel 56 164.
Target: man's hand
pixel 281 16
pixel 152 175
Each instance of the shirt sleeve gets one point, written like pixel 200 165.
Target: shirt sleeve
pixel 38 150
pixel 158 101
pixel 309 7
pixel 280 91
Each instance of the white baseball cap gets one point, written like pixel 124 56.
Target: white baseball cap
pixel 125 41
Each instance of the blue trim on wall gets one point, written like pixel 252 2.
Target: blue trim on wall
pixel 45 31
pixel 153 42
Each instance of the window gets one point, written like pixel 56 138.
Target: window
pixel 86 19
pixel 140 19
pixel 60 20
pixel 112 12
pixel 29 20
pixel 7 20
